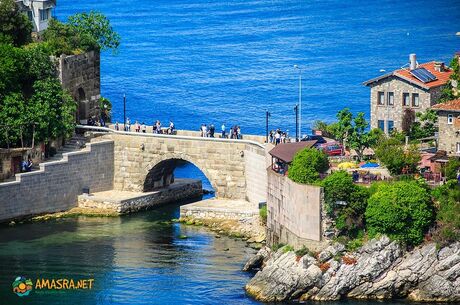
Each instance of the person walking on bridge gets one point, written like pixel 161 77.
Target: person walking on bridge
pixel 223 131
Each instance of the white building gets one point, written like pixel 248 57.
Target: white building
pixel 38 11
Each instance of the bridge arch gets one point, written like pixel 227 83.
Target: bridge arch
pixel 159 172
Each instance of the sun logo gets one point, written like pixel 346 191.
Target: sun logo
pixel 22 286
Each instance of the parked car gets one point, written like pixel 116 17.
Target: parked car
pixel 332 148
pixel 319 139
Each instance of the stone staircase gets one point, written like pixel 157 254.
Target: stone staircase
pixel 76 143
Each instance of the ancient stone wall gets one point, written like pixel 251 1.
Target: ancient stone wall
pixel 56 186
pixel 223 162
pixel 294 212
pixel 81 76
pixel 256 174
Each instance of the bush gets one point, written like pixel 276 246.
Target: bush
pixel 396 158
pixel 263 213
pixel 451 168
pixel 402 210
pixel 447 199
pixel 307 165
pixel 349 218
pixel 302 251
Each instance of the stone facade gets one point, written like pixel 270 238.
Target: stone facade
pixel 224 162
pixel 395 112
pixel 294 212
pixel 56 186
pixel 449 132
pixel 81 76
pixel 180 190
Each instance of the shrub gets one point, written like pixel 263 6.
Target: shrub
pixel 392 154
pixel 451 168
pixel 349 218
pixel 307 165
pixel 402 210
pixel 263 213
pixel 302 251
pixel 276 247
pixel 287 248
pixel 447 199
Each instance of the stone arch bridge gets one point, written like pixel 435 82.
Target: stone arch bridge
pixel 142 162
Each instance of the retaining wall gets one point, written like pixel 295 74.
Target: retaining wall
pixel 56 186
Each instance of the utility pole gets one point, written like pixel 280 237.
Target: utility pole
pixel 124 112
pixel 296 110
pixel 300 99
pixel 267 115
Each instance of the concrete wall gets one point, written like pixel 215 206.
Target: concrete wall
pixel 395 113
pixel 56 186
pixel 294 212
pixel 448 137
pixel 82 73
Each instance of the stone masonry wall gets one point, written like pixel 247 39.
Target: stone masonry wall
pixel 56 186
pixel 294 212
pixel 82 74
pixel 395 112
pixel 256 174
pixel 448 137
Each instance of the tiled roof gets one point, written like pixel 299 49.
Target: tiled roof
pixel 453 105
pixel 404 73
pixel 287 151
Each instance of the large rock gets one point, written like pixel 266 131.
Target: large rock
pixel 379 270
pixel 257 260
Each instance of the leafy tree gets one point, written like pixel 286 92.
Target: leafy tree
pixel 52 109
pixel 451 168
pixel 96 26
pixel 344 124
pixel 449 92
pixel 13 119
pixel 11 69
pixel 401 210
pixel 328 130
pixel 396 157
pixel 15 27
pixel 62 38
pixel 360 139
pixel 106 109
pixel 307 165
pixel 447 201
pixel 425 126
pixel 339 187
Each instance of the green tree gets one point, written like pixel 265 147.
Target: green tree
pixel 344 124
pixel 12 68
pixel 52 109
pixel 401 210
pixel 97 26
pixel 447 201
pixel 106 109
pixel 13 119
pixel 425 126
pixel 360 139
pixel 15 27
pixel 451 168
pixel 345 202
pixel 449 92
pixel 307 165
pixel 396 157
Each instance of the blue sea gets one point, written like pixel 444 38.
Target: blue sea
pixel 195 61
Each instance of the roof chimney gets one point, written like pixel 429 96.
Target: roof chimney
pixel 413 61
pixel 439 66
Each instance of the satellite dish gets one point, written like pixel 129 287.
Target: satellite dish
pixel 26 2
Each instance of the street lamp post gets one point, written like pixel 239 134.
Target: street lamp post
pixel 267 115
pixel 296 110
pixel 124 112
pixel 300 99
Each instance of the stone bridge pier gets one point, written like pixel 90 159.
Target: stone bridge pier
pixel 236 169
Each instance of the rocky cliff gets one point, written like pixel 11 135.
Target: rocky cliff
pixel 381 269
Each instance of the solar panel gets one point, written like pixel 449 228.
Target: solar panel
pixel 423 75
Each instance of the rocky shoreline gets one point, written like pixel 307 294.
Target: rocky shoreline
pixel 380 270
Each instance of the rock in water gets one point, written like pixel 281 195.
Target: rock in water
pixel 257 260
pixel 379 270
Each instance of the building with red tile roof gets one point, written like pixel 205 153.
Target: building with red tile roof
pixel 413 88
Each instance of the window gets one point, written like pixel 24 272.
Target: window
pixel 45 14
pixel 406 100
pixel 450 119
pixel 458 148
pixel 380 98
pixel 381 125
pixel 415 100
pixel 30 15
pixel 391 125
pixel 391 98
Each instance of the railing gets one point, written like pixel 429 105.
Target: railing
pixel 169 136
